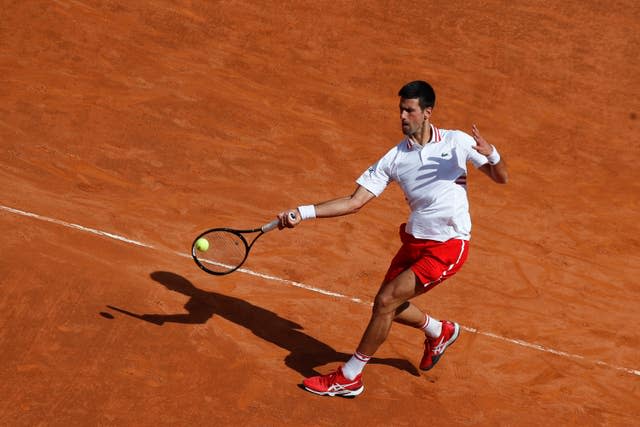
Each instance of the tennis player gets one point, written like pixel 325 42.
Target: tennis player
pixel 430 165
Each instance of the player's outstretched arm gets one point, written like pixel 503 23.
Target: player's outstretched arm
pixel 331 208
pixel 496 169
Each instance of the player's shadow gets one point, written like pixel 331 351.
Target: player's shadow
pixel 306 352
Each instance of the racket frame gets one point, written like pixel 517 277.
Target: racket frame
pixel 240 233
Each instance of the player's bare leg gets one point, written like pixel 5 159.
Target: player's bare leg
pixel 391 302
pixel 410 315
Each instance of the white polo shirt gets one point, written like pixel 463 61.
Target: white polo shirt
pixel 434 181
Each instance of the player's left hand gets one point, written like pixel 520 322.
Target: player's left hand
pixel 482 146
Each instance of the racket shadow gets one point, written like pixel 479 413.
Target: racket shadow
pixel 305 352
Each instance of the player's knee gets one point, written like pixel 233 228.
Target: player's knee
pixel 385 303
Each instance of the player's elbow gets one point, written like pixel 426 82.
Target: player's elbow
pixel 355 206
pixel 358 199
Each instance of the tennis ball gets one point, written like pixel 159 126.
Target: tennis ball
pixel 202 244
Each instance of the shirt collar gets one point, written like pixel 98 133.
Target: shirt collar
pixel 435 137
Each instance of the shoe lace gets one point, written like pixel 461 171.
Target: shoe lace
pixel 330 378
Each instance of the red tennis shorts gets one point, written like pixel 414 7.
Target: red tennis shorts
pixel 431 261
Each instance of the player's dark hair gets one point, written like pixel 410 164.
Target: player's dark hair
pixel 422 91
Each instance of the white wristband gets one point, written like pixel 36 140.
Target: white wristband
pixel 307 211
pixel 494 157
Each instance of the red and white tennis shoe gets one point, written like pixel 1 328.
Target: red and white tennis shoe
pixel 434 347
pixel 334 384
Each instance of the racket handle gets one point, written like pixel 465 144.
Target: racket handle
pixel 274 224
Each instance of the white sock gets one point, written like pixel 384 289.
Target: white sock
pixel 355 365
pixel 432 327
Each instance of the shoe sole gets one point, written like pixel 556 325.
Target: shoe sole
pixel 454 337
pixel 342 393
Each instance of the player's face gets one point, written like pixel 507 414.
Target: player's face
pixel 412 117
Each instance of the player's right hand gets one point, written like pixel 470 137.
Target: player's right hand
pixel 289 218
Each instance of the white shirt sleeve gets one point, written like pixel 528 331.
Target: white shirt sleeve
pixel 378 176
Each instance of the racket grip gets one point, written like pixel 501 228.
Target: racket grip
pixel 270 226
pixel 274 224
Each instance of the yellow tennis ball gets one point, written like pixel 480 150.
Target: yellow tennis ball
pixel 202 244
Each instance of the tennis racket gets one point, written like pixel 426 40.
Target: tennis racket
pixel 221 251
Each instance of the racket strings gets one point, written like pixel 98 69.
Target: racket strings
pixel 226 251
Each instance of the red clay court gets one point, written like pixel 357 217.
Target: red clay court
pixel 126 128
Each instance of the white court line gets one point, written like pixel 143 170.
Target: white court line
pixel 314 289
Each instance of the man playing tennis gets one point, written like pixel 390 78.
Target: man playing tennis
pixel 430 165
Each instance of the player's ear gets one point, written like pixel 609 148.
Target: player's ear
pixel 427 113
